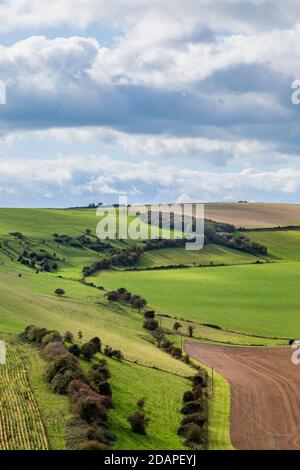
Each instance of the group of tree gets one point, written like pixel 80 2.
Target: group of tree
pixel 90 393
pixel 120 257
pixel 122 295
pixel 193 425
pixel 42 261
pixel 83 241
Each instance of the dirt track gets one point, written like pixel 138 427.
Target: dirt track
pixel 265 393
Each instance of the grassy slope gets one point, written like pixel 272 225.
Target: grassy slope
pixel 256 299
pixel 55 409
pixel 163 394
pixel 283 245
pixel 209 254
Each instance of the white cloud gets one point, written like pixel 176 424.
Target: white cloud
pixel 106 176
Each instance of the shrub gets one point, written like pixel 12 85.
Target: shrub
pixel 51 337
pixel 93 445
pixel 59 292
pixel 113 296
pixel 103 388
pixel 99 373
pixel 192 407
pixel 138 422
pixel 88 351
pixel 150 324
pixel 176 352
pixel 75 350
pixel 76 388
pixel 60 381
pixel 53 350
pixel 96 343
pixel 201 378
pixel 62 364
pixel 195 418
pixel 194 434
pixel 188 396
pixel 68 337
pixel 33 334
pixel 116 353
pixel 91 409
pixel 149 314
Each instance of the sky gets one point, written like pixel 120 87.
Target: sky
pixel 165 101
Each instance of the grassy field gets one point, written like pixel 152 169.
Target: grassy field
pixel 255 299
pixel 248 299
pixel 282 245
pixel 163 394
pixel 210 254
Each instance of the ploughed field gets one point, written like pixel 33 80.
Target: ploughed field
pixel 265 399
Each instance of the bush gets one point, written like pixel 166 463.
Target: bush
pixel 194 434
pixel 103 388
pixel 150 324
pixel 138 422
pixel 188 396
pixel 62 364
pixel 93 445
pixel 88 351
pixel 60 381
pixel 51 337
pixel 59 292
pixel 33 334
pixel 193 407
pixel 91 409
pixel 53 350
pixel 195 418
pixel 201 378
pixel 149 314
pixel 68 337
pixel 75 350
pixel 76 388
pixel 96 343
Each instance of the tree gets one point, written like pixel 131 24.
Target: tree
pixel 68 337
pixel 150 324
pixel 191 330
pixel 80 335
pixel 96 343
pixel 149 314
pixel 113 296
pixel 88 351
pixel 138 302
pixel 59 292
pixel 159 335
pixel 177 326
pixel 139 422
pixel 75 350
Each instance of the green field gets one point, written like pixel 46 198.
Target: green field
pixel 282 245
pixel 255 299
pixel 253 303
pixel 210 254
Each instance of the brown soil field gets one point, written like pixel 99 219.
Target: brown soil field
pixel 265 393
pixel 254 215
pixel 250 214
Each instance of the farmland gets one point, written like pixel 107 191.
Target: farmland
pixel 246 298
pixel 21 425
pixel 227 295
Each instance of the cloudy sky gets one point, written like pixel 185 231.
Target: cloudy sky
pixel 165 100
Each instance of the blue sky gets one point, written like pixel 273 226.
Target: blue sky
pixel 164 101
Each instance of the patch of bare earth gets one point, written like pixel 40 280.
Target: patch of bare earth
pixel 265 393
